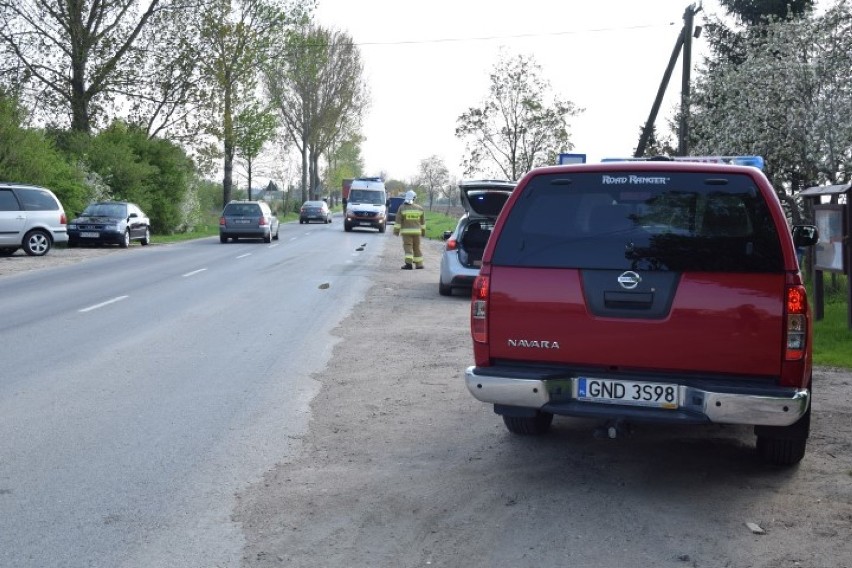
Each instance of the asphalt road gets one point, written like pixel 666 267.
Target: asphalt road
pixel 140 391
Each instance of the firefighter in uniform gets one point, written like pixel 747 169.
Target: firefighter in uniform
pixel 411 224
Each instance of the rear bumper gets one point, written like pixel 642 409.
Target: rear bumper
pixel 60 236
pixel 248 233
pixel 711 403
pixel 454 273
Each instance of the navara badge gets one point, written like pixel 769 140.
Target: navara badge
pixel 629 280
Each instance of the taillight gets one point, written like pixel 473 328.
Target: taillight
pixel 63 220
pixel 797 323
pixel 222 221
pixel 262 221
pixel 479 309
pixel 452 244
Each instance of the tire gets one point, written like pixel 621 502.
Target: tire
pixel 529 425
pixel 223 239
pixel 275 238
pixel 125 242
pixel 382 228
pixel 784 445
pixel 347 227
pixel 268 238
pixel 146 240
pixel 37 243
pixel 444 289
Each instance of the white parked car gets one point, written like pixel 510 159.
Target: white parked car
pixel 482 201
pixel 31 218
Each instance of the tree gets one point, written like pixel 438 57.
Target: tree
pixel 168 101
pixel 254 127
pixel 240 35
pixel 433 176
pixel 344 162
pixel 516 129
pixel 757 12
pixel 451 193
pixel 28 156
pixel 788 100
pixel 74 56
pixel 730 44
pixel 657 146
pixel 318 88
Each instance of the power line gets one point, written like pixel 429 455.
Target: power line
pixel 517 36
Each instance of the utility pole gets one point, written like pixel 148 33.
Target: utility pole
pixel 684 42
pixel 688 33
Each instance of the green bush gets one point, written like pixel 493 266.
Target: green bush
pixel 29 156
pixel 151 172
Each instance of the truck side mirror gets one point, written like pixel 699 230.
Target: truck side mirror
pixel 805 235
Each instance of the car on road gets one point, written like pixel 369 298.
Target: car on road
pixel 110 223
pixel 664 290
pixel 392 205
pixel 462 256
pixel 243 219
pixel 366 205
pixel 31 218
pixel 314 211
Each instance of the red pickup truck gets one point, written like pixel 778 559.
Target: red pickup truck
pixel 663 290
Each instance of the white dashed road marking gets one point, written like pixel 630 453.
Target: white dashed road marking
pixel 102 304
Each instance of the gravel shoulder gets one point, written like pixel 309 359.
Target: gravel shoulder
pixel 403 467
pixel 57 256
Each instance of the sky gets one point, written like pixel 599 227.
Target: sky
pixel 427 62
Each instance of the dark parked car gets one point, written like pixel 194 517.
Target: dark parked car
pixel 110 223
pixel 315 211
pixel 243 219
pixel 392 205
pixel 482 201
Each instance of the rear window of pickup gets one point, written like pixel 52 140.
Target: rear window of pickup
pixel 671 221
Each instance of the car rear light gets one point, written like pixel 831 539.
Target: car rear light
pixel 63 219
pixel 479 309
pixel 452 244
pixel 797 323
pixel 262 221
pixel 222 221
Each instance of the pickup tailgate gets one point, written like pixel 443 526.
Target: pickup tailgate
pixel 675 322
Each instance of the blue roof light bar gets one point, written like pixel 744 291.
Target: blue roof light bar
pixel 753 161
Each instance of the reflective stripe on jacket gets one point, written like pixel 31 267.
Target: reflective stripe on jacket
pixel 410 219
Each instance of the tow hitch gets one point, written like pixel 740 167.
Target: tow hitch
pixel 612 429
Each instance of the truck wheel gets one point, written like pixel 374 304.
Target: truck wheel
pixel 529 425
pixel 779 451
pixel 784 445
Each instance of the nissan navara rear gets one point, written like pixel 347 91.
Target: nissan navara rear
pixel 646 291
